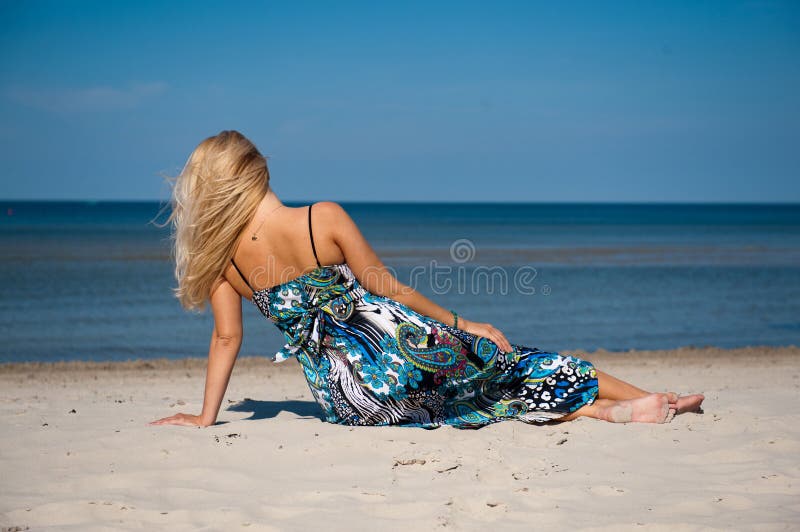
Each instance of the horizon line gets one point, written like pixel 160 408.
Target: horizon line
pixel 430 202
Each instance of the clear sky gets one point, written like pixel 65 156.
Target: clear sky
pixel 417 101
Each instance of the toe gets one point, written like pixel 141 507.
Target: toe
pixel 672 397
pixel 689 403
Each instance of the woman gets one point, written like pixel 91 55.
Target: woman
pixel 373 350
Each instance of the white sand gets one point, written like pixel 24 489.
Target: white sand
pixel 737 466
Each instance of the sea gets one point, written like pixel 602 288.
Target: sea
pixel 93 280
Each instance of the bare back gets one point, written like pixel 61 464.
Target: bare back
pixel 288 245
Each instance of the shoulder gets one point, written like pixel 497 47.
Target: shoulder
pixel 328 208
pixel 331 212
pixel 334 218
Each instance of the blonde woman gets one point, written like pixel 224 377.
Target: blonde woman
pixel 373 350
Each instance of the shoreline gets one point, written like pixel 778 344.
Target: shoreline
pixel 687 354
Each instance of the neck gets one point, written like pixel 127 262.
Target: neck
pixel 270 202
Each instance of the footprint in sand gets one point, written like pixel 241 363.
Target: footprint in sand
pixel 606 491
pixel 408 462
pixel 227 438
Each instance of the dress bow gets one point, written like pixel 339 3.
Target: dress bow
pixel 306 333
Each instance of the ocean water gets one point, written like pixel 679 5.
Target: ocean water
pixel 92 280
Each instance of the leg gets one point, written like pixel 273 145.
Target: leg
pixel 612 388
pixel 593 410
pixel 621 402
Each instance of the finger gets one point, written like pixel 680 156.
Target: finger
pixel 502 342
pixel 175 421
pixel 507 345
pixel 163 420
pixel 494 338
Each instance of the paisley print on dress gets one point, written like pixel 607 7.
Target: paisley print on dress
pixel 370 360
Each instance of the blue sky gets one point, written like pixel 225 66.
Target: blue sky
pixel 408 101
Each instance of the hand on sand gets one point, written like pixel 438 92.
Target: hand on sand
pixel 486 330
pixel 186 420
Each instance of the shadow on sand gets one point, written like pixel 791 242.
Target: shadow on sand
pixel 269 409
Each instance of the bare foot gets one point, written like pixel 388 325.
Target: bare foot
pixel 653 408
pixel 689 403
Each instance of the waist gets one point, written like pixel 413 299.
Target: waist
pixel 340 305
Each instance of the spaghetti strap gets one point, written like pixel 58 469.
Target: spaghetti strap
pixel 311 234
pixel 242 275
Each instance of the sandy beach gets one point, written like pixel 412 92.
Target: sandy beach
pixel 77 454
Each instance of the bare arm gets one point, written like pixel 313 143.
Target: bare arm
pixel 226 339
pixel 375 277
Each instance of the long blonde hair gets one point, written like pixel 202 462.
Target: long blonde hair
pixel 213 199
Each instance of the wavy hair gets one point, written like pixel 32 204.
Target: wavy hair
pixel 213 199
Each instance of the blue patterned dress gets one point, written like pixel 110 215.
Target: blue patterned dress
pixel 370 360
